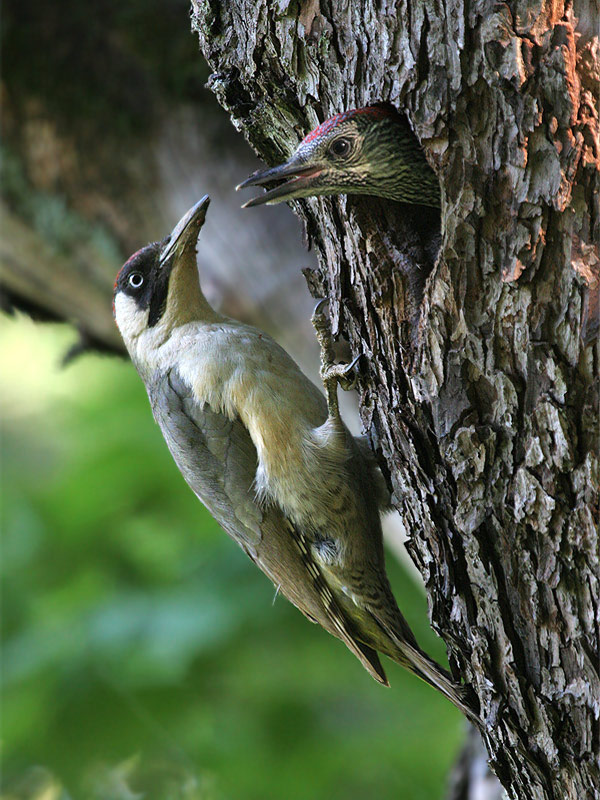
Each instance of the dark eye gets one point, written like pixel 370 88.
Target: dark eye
pixel 340 147
pixel 136 279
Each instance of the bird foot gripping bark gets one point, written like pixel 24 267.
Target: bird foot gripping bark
pixel 331 373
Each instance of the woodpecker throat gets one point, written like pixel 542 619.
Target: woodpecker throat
pixel 368 151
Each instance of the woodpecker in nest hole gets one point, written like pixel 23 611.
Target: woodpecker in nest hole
pixel 368 150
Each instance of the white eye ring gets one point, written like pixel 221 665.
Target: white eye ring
pixel 136 279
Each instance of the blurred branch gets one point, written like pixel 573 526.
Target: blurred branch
pixel 35 278
pixel 471 778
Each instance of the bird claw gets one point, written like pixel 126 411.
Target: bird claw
pixel 323 333
pixel 331 373
pixel 344 374
pixel 319 306
pixel 319 320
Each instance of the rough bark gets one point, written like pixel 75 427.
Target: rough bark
pixel 485 422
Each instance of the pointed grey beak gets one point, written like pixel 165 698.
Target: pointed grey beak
pixel 300 176
pixel 185 233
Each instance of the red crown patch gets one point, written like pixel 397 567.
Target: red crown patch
pixel 376 112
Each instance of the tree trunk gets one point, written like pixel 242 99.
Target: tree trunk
pixel 485 420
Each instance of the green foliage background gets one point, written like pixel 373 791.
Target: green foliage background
pixel 143 654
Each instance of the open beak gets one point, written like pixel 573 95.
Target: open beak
pixel 185 233
pixel 300 176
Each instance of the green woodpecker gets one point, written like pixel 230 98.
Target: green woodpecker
pixel 368 150
pixel 267 454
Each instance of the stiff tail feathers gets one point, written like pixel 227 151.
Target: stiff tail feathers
pixel 424 667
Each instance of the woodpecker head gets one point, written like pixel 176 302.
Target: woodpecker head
pixel 158 288
pixel 363 151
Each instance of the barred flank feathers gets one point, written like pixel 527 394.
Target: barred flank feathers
pixel 365 654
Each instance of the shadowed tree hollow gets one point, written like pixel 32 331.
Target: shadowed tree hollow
pixel 485 416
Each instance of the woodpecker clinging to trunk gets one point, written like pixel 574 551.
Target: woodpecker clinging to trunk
pixel 267 454
pixel 368 150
